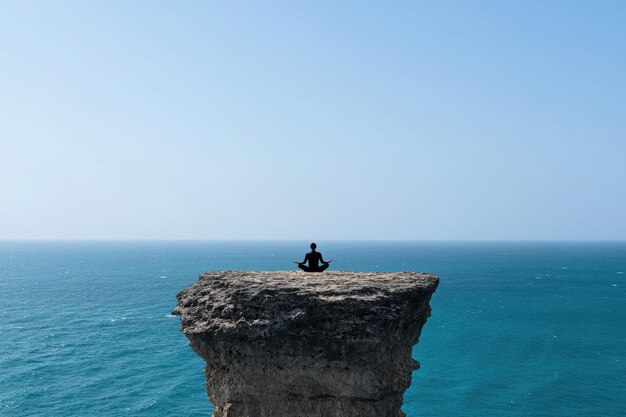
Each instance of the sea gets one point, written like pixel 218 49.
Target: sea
pixel 517 328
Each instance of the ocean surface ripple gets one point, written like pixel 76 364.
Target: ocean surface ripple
pixel 518 328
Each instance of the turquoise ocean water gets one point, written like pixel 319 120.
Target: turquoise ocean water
pixel 518 329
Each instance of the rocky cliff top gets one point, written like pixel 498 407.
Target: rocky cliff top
pixel 261 303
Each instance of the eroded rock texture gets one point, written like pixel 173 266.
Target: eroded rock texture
pixel 296 344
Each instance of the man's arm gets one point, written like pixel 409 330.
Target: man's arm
pixel 306 257
pixel 322 259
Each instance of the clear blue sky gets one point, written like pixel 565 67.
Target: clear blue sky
pixel 317 120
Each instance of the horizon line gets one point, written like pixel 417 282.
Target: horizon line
pixel 293 240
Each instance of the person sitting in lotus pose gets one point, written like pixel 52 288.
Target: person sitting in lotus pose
pixel 314 259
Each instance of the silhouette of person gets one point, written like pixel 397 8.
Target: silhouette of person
pixel 314 259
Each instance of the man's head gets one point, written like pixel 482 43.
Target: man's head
pixel 313 246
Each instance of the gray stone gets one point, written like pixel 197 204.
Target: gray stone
pixel 296 344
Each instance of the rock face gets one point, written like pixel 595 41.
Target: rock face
pixel 296 344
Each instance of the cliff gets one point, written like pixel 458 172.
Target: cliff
pixel 295 344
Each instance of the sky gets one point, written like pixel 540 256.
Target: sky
pixel 421 120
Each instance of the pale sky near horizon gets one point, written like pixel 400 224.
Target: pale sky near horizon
pixel 318 120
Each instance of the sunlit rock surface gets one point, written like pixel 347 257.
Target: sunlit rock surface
pixel 296 344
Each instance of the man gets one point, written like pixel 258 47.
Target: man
pixel 313 258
